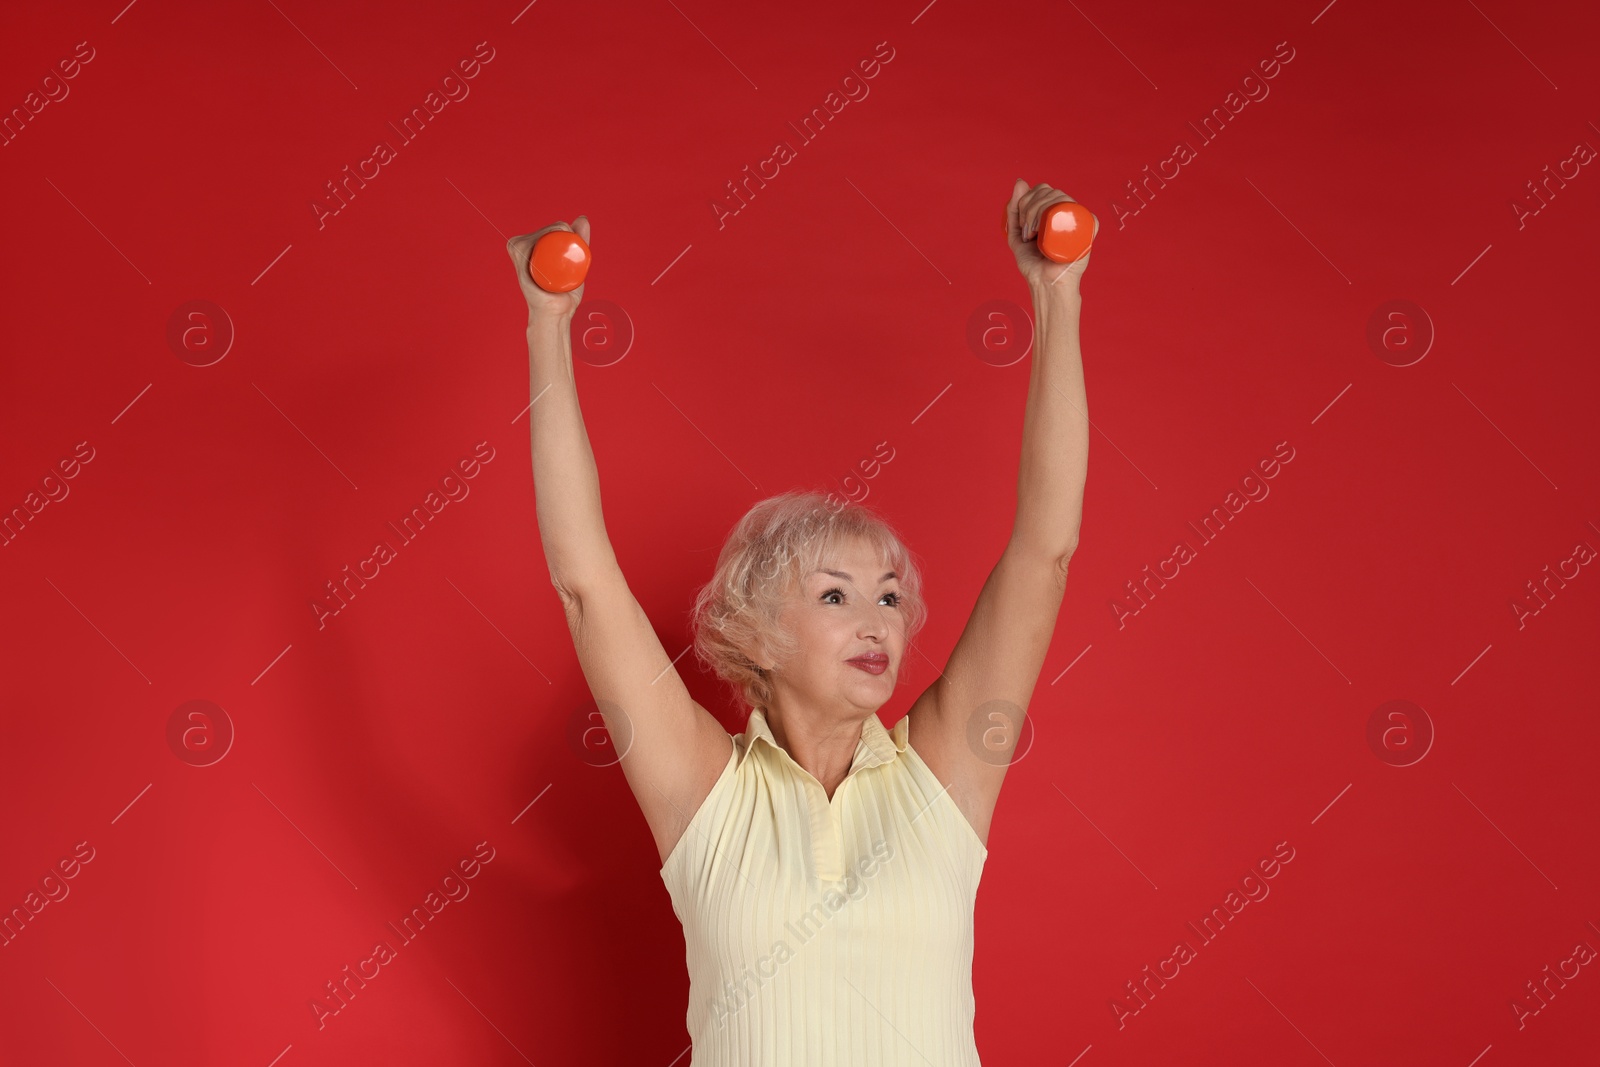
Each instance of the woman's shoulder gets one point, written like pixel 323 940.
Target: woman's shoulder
pixel 707 806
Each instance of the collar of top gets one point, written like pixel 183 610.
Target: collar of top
pixel 876 747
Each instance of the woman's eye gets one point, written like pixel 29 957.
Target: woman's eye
pixel 894 597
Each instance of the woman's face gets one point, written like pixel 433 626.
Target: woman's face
pixel 845 610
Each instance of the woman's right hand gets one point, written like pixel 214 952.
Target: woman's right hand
pixel 1023 212
pixel 541 302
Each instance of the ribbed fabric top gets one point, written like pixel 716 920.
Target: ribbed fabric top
pixel 828 933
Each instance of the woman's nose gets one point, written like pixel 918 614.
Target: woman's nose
pixel 874 623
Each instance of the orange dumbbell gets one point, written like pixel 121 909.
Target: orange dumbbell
pixel 559 262
pixel 1066 231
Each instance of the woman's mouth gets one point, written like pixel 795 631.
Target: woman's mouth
pixel 874 663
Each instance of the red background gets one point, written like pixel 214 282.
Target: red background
pixel 1228 314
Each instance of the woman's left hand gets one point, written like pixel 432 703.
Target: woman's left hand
pixel 1022 226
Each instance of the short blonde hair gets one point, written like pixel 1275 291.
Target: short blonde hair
pixel 779 541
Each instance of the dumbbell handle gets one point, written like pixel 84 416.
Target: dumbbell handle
pixel 559 261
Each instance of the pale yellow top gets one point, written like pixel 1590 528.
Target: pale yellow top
pixel 828 933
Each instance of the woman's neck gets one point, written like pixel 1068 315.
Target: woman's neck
pixel 823 750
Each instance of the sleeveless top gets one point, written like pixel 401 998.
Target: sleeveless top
pixel 828 933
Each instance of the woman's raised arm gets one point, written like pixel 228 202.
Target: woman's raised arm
pixel 967 723
pixel 566 483
pixel 672 749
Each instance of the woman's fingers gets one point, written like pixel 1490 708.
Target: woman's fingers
pixel 1045 199
pixel 1024 211
pixel 1039 197
pixel 520 247
pixel 1024 214
pixel 1014 206
pixel 1028 204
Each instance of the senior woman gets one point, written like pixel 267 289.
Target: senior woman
pixel 825 869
